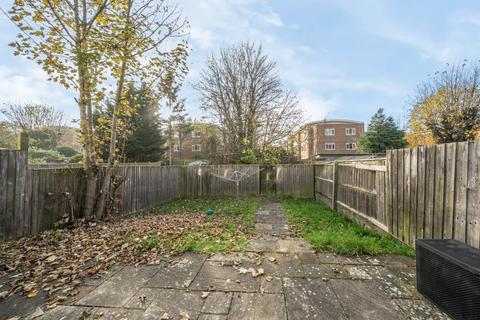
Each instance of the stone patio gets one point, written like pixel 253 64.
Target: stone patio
pixel 279 277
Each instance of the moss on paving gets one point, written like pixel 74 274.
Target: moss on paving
pixel 330 231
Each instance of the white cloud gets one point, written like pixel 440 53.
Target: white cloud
pixel 26 83
pixel 315 106
pixel 219 23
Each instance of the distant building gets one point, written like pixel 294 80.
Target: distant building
pixel 201 142
pixel 326 138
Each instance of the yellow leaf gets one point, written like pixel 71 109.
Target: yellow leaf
pixel 32 294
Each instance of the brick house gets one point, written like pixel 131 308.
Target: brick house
pixel 328 137
pixel 196 144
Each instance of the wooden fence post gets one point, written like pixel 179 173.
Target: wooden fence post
pixel 334 186
pixel 22 141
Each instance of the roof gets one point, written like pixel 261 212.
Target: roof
pixel 329 121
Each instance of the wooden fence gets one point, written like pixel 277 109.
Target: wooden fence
pixel 356 188
pixel 435 192
pixel 424 192
pixel 33 198
pixel 428 192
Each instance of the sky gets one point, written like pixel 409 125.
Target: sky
pixel 343 58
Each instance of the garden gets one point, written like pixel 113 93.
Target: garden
pixel 51 268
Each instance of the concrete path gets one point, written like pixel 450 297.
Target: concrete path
pixel 279 277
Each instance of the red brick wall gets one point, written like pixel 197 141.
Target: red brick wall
pixel 314 144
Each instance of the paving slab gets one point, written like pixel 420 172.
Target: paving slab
pixel 226 278
pixel 179 274
pixel 114 314
pixel 17 305
pixel 308 258
pixel 332 258
pixel 262 245
pixel 217 303
pixel 100 278
pixel 325 271
pixel 257 306
pixel 272 219
pixel 311 299
pixel 65 312
pixel 174 302
pixel 236 257
pixel 293 245
pixel 118 289
pixel 285 265
pixel 420 309
pixel 393 283
pixel 212 317
pixel 271 284
pixel 364 300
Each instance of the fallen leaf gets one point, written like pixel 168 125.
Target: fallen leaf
pixel 205 294
pixel 32 294
pixel 269 278
pixel 51 258
pixel 165 316
pixel 324 279
pixel 243 270
pixel 211 288
pixel 272 259
pixel 184 316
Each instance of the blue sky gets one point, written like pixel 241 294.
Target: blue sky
pixel 344 59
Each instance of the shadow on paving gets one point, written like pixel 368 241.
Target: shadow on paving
pixel 278 277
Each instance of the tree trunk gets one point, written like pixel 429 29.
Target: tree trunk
pixel 106 184
pixel 105 190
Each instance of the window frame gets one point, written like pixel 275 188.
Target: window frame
pixel 196 134
pixel 353 144
pixel 332 130
pixel 354 131
pixel 331 144
pixel 196 147
pixel 176 148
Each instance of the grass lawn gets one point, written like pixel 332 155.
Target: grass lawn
pixel 226 230
pixel 330 231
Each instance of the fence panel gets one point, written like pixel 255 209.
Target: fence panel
pixel 354 188
pixel 440 186
pixel 294 180
pixel 13 184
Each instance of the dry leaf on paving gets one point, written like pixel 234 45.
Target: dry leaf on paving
pixel 205 294
pixel 165 316
pixel 32 294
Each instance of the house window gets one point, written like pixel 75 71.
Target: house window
pixel 196 147
pixel 329 131
pixel 350 131
pixel 330 146
pixel 351 146
pixel 196 134
pixel 176 148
